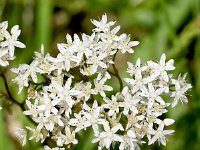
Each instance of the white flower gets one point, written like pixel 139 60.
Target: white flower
pixel 110 37
pixel 103 25
pixel 162 67
pixel 37 134
pixel 125 45
pixel 66 56
pixel 55 119
pixel 93 116
pixel 11 40
pixel 32 69
pixel 43 122
pixel 100 87
pixel 88 71
pixel 47 105
pixel 66 93
pixel 96 61
pixel 32 109
pixel 86 90
pixel 22 76
pixel 179 93
pixel 134 120
pixel 134 69
pixel 138 83
pixel 65 108
pixel 52 91
pixel 109 136
pixel 80 122
pixel 181 80
pixel 21 135
pixel 69 137
pixel 129 141
pixel 152 120
pixel 4 57
pixel 39 56
pixel 158 109
pixel 152 95
pixel 21 81
pixel 159 134
pixel 83 47
pixel 112 105
pixel 130 103
pixel 3 30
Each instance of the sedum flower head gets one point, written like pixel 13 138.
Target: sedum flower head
pixel 74 95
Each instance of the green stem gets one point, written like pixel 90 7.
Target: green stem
pixel 116 74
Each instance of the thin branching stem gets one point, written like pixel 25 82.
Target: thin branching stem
pixel 116 74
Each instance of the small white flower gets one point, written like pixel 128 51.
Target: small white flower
pixel 69 137
pixel 110 37
pixel 138 83
pixel 21 81
pixel 162 67
pixel 158 109
pixel 3 30
pixel 134 69
pixel 159 135
pixel 130 103
pixel 86 90
pixel 125 45
pixel 109 136
pixel 11 40
pixel 47 105
pixel 37 135
pixel 134 120
pixel 83 47
pixel 66 56
pixel 100 87
pixel 32 109
pixel 66 92
pixel 80 122
pixel 179 93
pixel 96 61
pixel 129 141
pixel 22 76
pixel 112 105
pixel 103 25
pixel 31 71
pixel 93 116
pixel 55 119
pixel 4 57
pixel 152 94
pixel 21 135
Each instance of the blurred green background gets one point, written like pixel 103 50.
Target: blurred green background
pixel 170 26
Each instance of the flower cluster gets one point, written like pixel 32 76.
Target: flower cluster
pixel 8 42
pixel 69 93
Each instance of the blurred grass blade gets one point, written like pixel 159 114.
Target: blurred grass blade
pixel 43 23
pixel 191 31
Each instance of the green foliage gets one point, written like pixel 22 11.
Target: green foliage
pixel 161 26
